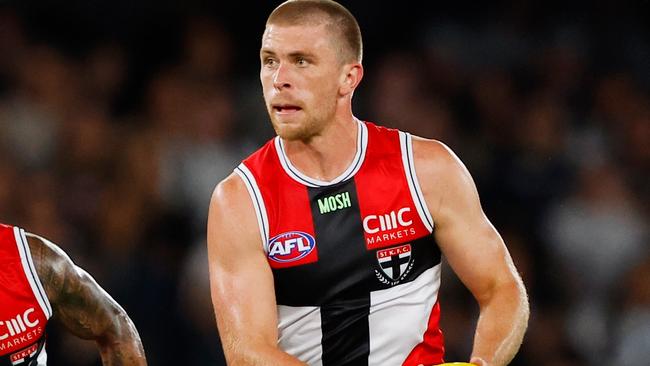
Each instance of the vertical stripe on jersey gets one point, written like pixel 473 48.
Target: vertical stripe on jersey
pixel 344 314
pixel 42 356
pixel 299 329
pixel 406 145
pixel 407 306
pixel 258 202
pixel 30 272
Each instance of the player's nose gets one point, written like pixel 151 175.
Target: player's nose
pixel 281 78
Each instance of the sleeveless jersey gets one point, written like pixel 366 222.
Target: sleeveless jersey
pixel 355 265
pixel 24 307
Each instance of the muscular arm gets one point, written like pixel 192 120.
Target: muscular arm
pixel 241 281
pixel 84 308
pixel 475 251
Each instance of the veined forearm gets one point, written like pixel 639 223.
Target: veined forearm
pixel 501 325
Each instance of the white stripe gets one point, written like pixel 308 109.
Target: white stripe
pixel 37 280
pixel 42 358
pixel 300 333
pixel 406 144
pixel 352 169
pixel 258 202
pixel 30 272
pixel 401 312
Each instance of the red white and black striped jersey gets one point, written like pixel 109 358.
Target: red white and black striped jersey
pixel 24 307
pixel 355 265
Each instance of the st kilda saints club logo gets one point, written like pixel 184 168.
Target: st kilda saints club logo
pixel 394 264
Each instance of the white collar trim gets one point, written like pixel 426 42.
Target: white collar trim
pixel 353 168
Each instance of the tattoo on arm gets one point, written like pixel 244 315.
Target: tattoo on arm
pixel 84 308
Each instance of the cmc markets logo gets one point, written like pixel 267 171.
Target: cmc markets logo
pixel 290 246
pixel 373 224
pixel 17 325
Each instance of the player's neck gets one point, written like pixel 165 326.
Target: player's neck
pixel 328 155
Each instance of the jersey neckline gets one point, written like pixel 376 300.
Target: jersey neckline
pixel 352 169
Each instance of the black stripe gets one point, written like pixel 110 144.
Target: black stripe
pixel 33 273
pixel 346 333
pixel 258 207
pixel 411 177
pixel 347 282
pixel 339 282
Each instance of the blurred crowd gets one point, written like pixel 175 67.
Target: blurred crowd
pixel 117 166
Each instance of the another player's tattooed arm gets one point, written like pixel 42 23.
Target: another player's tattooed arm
pixel 84 308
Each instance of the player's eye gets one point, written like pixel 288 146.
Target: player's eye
pixel 301 61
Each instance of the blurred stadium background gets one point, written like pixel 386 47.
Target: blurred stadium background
pixel 118 117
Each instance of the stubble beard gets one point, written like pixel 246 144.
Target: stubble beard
pixel 302 131
pixel 305 130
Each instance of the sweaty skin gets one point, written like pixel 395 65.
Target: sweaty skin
pixel 475 251
pixel 84 308
pixel 241 280
pixel 308 92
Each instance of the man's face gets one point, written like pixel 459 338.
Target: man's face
pixel 300 74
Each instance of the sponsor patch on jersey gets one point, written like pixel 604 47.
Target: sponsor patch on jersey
pixel 394 264
pixel 334 202
pixel 291 246
pixel 23 355
pixel 390 228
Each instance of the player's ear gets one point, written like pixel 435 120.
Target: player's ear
pixel 352 75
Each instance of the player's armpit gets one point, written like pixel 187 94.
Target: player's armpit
pixel 84 308
pixel 241 280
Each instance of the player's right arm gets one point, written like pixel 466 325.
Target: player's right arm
pixel 84 308
pixel 241 280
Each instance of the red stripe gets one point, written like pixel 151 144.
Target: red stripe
pixel 16 296
pixel 431 350
pixel 385 202
pixel 286 202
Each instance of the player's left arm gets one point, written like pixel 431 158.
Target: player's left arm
pixel 475 251
pixel 84 308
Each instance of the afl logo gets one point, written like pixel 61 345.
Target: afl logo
pixel 290 246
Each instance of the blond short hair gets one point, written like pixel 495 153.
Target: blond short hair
pixel 335 16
